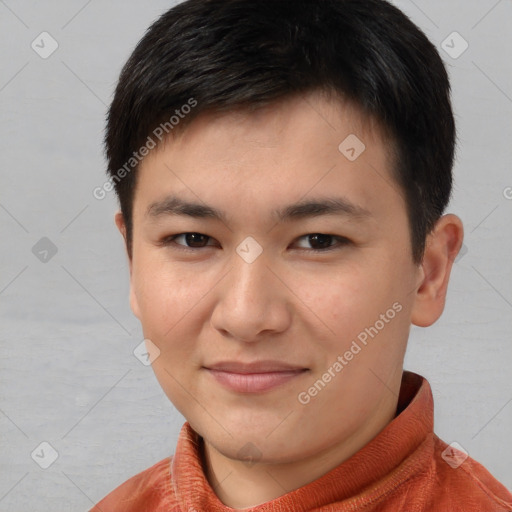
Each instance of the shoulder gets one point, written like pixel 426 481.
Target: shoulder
pixel 149 490
pixel 464 484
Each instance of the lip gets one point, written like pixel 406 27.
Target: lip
pixel 254 377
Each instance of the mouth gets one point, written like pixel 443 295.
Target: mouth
pixel 255 377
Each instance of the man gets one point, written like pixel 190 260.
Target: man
pixel 282 170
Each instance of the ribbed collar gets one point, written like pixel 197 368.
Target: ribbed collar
pixel 403 448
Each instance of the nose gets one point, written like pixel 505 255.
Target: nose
pixel 252 302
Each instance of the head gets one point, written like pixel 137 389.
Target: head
pixel 316 141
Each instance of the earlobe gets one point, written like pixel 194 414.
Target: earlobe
pixel 443 245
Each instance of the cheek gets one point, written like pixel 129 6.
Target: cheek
pixel 171 302
pixel 365 303
pixel 162 292
pixel 168 302
pixel 156 297
pixel 344 298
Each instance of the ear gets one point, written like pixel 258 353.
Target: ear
pixel 121 226
pixel 442 246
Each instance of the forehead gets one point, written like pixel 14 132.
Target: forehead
pixel 314 116
pixel 307 146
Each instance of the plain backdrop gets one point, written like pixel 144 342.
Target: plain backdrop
pixel 68 376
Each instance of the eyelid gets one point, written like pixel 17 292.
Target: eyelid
pixel 169 240
pixel 342 241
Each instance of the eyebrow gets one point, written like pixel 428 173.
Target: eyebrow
pixel 174 205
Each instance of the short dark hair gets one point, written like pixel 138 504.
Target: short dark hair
pixel 222 55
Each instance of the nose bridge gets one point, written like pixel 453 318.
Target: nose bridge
pixel 249 300
pixel 250 274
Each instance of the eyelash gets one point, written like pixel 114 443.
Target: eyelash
pixel 169 241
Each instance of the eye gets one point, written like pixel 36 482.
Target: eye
pixel 196 241
pixel 323 241
pixel 193 241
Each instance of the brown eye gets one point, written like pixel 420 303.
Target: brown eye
pixel 318 242
pixel 191 240
pixel 321 242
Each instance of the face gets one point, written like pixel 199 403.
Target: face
pixel 279 320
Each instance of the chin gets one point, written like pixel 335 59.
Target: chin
pixel 253 443
pixel 258 449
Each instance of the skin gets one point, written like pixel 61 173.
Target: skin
pixel 290 304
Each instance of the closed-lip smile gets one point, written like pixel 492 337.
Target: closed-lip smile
pixel 253 377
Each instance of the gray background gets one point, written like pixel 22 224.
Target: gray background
pixel 68 375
